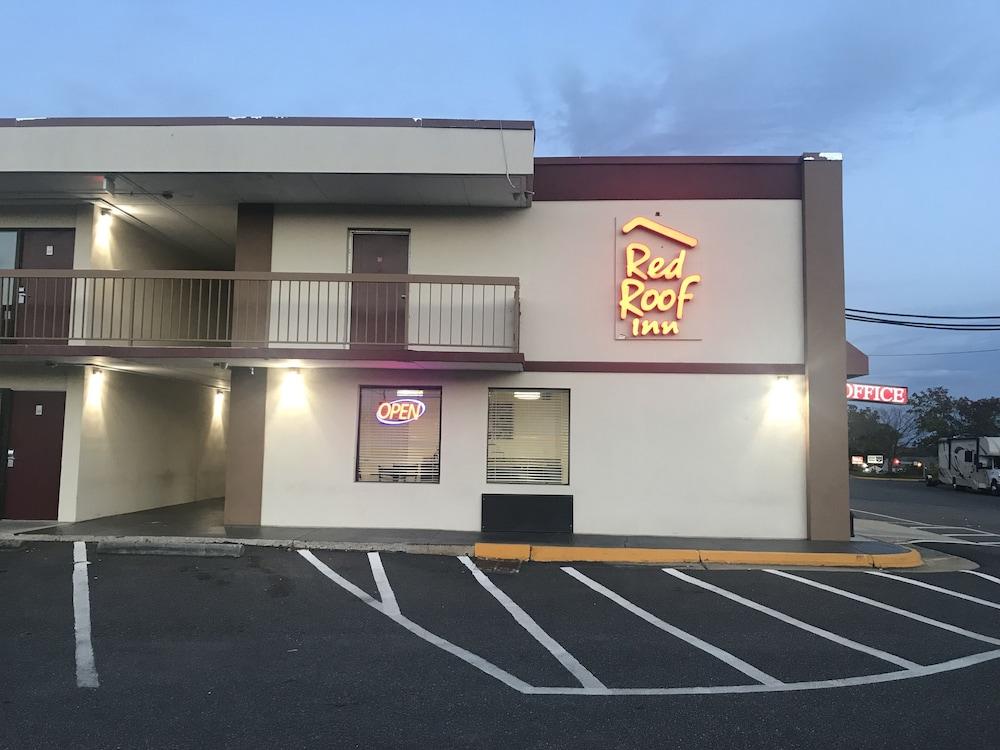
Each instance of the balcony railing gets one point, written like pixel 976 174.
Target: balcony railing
pixel 221 308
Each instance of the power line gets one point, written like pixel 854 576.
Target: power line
pixel 935 354
pixel 925 325
pixel 926 317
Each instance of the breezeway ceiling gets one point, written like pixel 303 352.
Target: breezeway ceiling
pixel 198 211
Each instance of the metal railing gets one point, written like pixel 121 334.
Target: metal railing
pixel 223 308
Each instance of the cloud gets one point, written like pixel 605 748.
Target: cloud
pixel 724 78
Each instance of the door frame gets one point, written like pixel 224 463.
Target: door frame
pixel 6 400
pixel 351 231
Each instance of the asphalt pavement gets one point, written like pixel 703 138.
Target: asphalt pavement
pixel 345 649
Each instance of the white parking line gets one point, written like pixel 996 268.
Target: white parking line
pixel 467 656
pixel 888 608
pixel 735 662
pixel 932 587
pixel 840 640
pixel 575 668
pixel 987 576
pixel 389 603
pixel 772 685
pixel 86 669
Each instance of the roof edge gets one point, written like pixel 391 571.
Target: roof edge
pixel 591 160
pixel 379 122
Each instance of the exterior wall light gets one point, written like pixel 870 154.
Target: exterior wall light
pixel 783 402
pixel 95 387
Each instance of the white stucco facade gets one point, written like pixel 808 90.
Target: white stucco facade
pixel 650 453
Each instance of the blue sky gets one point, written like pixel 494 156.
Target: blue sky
pixel 908 91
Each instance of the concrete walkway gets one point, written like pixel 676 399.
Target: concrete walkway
pixel 202 523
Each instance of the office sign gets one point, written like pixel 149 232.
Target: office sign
pixel 654 289
pixel 882 394
pixel 400 411
pixel 875 460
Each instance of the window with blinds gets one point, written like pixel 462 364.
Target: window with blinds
pixel 527 440
pixel 399 435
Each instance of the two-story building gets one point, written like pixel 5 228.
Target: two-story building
pixel 418 324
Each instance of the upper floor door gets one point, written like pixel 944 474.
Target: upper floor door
pixel 40 308
pixel 378 310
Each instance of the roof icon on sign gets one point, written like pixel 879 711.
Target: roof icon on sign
pixel 652 226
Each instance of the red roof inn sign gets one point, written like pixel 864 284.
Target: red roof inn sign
pixel 882 394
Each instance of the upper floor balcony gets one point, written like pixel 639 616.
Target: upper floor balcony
pixel 262 317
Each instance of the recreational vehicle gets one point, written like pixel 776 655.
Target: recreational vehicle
pixel 970 462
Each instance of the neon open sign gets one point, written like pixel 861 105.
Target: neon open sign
pixel 400 411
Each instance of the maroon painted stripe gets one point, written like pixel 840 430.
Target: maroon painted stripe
pixel 698 178
pixel 696 368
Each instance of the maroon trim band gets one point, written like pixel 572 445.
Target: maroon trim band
pixel 668 178
pixel 698 368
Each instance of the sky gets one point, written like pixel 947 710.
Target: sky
pixel 908 91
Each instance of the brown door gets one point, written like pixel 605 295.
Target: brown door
pixel 34 454
pixel 378 310
pixel 41 312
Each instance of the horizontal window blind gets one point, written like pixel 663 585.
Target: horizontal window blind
pixel 405 445
pixel 527 438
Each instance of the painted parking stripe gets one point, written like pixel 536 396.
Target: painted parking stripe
pixel 736 663
pixel 987 576
pixel 840 640
pixel 938 589
pixel 575 668
pixel 467 656
pixel 385 593
pixel 86 669
pixel 888 607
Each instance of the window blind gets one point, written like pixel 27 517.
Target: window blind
pixel 527 439
pixel 405 444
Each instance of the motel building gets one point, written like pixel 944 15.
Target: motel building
pixel 417 324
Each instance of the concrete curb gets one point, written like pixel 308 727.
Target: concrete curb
pixel 547 553
pixel 165 542
pixel 887 479
pixel 200 549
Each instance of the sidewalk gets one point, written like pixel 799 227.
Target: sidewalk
pixel 202 523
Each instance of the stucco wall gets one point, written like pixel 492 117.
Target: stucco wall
pixel 147 442
pixel 719 455
pixel 712 455
pixel 569 257
pixel 112 243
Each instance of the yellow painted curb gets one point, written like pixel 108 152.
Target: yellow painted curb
pixel 548 553
pixel 613 554
pixel 909 559
pixel 493 551
pixel 748 557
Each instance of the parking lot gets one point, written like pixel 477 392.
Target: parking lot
pixel 369 650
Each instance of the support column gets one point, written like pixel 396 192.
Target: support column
pixel 252 299
pixel 827 484
pixel 248 399
pixel 245 446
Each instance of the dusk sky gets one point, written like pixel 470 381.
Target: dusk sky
pixel 908 91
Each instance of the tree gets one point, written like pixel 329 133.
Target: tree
pixel 866 433
pixel 979 416
pixel 937 415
